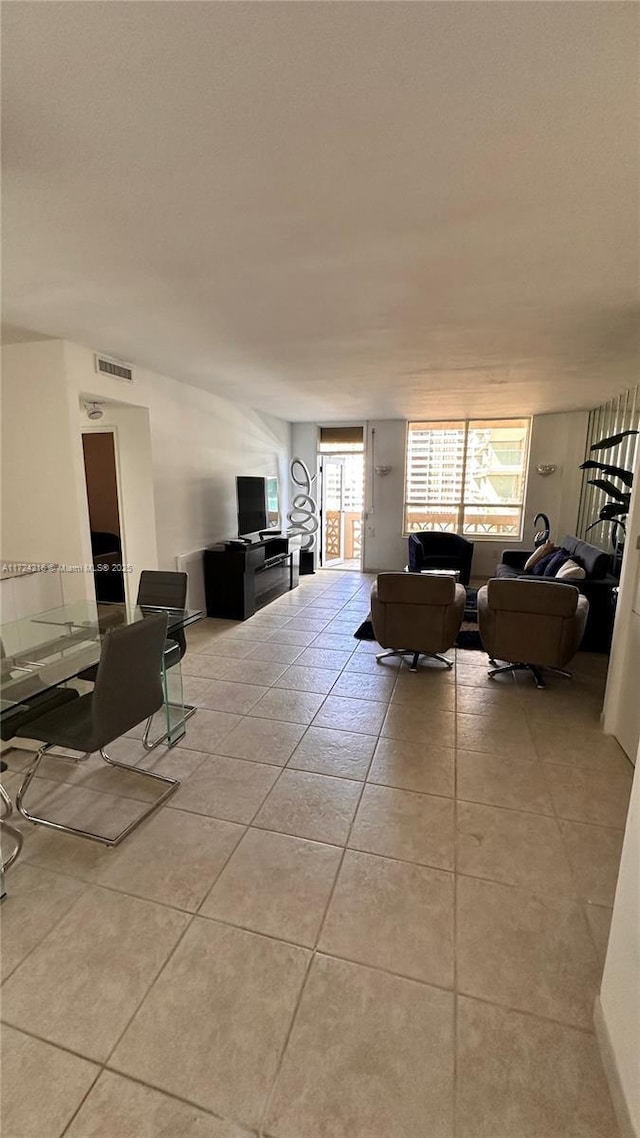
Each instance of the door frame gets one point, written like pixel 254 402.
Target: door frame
pixel 112 429
pixel 339 564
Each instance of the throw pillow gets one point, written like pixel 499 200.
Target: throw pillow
pixel 555 562
pixel 571 571
pixel 541 565
pixel 538 554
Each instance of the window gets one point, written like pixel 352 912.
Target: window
pixel 467 477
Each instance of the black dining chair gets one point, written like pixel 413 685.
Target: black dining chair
pixel 160 588
pixel 35 699
pixel 128 689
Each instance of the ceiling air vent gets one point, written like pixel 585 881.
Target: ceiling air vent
pixel 115 368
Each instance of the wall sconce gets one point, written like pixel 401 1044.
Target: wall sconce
pixel 546 468
pixel 382 470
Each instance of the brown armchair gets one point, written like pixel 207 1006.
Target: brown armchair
pixel 531 624
pixel 416 615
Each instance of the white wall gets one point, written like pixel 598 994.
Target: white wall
pixel 385 547
pixel 199 443
pixel 198 449
pixel 619 1011
pixel 40 512
pixel 621 705
pixel 304 445
pixel 179 450
pixel 558 439
pixel 29 593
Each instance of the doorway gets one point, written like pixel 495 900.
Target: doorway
pixel 101 477
pixel 341 462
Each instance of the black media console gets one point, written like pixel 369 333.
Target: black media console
pixel 240 579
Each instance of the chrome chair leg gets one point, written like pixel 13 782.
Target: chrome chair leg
pixel 18 841
pixel 189 710
pixel 536 672
pixel 6 802
pixel 413 666
pixel 10 831
pixel 172 785
pixel 415 657
pixel 500 669
pixel 145 738
pixel 81 757
pixel 392 652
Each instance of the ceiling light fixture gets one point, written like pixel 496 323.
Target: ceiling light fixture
pixel 94 410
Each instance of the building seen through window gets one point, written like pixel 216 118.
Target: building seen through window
pixel 467 476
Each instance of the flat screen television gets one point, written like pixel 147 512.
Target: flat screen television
pixel 258 506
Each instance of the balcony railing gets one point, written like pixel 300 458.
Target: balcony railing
pixel 477 521
pixel 343 535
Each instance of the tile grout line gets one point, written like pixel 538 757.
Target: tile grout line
pixel 565 1024
pixel 90 882
pixel 87 1092
pixel 98 884
pixel 312 957
pixel 206 755
pixel 147 993
pixel 250 824
pixel 133 1079
pixel 282 769
pixel 315 950
pixel 456 798
pixel 101 1066
pixel 191 916
pixel 281 1053
pixel 581 901
pixel 42 1039
pixel 222 868
pixel 66 913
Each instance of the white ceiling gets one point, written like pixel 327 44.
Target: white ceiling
pixel 331 210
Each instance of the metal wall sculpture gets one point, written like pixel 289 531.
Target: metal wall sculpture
pixel 303 515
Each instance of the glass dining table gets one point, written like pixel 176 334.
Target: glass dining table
pixel 50 648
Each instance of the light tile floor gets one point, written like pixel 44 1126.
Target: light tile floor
pixel 376 908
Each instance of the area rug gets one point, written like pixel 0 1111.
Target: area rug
pixel 468 636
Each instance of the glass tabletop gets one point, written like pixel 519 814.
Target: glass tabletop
pixel 51 647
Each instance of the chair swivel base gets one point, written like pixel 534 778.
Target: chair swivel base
pixel 533 668
pixel 172 785
pixel 413 667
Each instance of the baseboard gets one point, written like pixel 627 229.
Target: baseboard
pixel 627 1129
